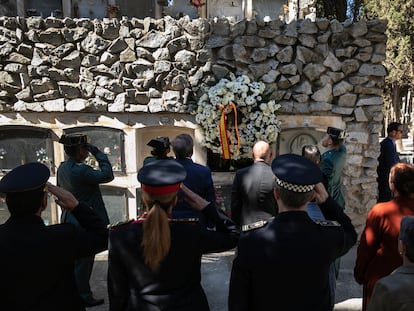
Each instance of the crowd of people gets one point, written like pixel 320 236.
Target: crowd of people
pixel 287 224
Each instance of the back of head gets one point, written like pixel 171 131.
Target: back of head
pixel 393 126
pixel 262 151
pixel 407 236
pixel 312 153
pixel 183 146
pixel 24 187
pixel 402 176
pixel 296 176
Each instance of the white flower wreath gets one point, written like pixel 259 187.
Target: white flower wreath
pixel 258 119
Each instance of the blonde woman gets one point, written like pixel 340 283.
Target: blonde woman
pixel 154 262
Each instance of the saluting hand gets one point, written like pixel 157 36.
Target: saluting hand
pixel 196 202
pixel 64 198
pixel 320 193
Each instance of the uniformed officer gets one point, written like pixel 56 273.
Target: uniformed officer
pixel 160 149
pixel 284 264
pixel 154 262
pixel 36 261
pixel 332 165
pixel 83 181
pixel 333 161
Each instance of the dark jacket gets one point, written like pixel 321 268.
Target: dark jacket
pixel 252 194
pixel 285 264
pixel 36 262
pixel 198 180
pixel 132 286
pixel 388 157
pixel 394 292
pixel 83 181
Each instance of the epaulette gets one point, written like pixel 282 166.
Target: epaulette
pixel 254 225
pixel 328 223
pixel 119 224
pixel 185 220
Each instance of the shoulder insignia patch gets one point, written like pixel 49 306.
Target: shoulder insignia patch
pixel 119 224
pixel 184 220
pixel 328 223
pixel 254 225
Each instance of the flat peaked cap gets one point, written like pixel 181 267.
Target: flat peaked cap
pixel 25 177
pixel 161 176
pixel 296 173
pixel 407 229
pixel 73 139
pixel 336 133
pixel 160 143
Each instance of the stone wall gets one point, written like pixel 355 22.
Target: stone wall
pixel 323 68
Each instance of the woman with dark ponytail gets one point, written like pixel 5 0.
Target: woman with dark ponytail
pixel 155 261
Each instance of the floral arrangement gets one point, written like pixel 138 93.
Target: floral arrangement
pixel 112 10
pixel 236 109
pixel 197 3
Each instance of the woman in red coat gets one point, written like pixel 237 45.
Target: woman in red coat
pixel 377 254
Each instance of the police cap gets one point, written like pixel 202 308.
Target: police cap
pixel 160 143
pixel 72 140
pixel 25 177
pixel 161 176
pixel 296 173
pixel 335 133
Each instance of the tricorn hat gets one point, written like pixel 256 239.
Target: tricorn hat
pixel 73 139
pixel 336 133
pixel 160 143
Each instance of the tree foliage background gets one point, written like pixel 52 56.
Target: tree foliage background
pixel 399 60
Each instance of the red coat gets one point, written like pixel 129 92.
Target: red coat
pixel 377 254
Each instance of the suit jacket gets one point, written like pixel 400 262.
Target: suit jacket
pixel 285 264
pixel 388 157
pixel 198 180
pixel 252 194
pixel 377 253
pixel 132 286
pixel 394 292
pixel 83 181
pixel 36 262
pixel 332 165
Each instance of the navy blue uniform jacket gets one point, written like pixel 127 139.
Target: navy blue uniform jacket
pixel 36 261
pixel 285 264
pixel 132 286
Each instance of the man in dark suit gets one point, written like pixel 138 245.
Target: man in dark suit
pixel 252 197
pixel 388 157
pixel 284 263
pixel 36 262
pixel 198 179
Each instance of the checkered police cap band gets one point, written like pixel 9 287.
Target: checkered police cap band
pixel 293 187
